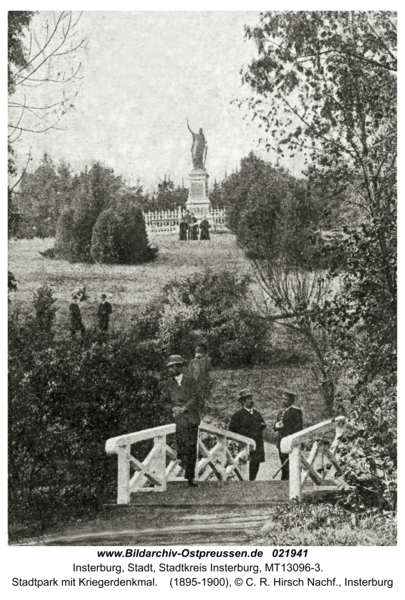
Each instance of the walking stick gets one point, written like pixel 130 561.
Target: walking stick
pixel 277 472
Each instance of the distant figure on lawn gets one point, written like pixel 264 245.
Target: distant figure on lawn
pixel 76 318
pixel 204 227
pixel 183 230
pixel 193 228
pixel 199 369
pixel 289 421
pixel 249 422
pixel 104 312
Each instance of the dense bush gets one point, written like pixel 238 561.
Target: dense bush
pixel 272 213
pixel 119 236
pixel 65 400
pixel 211 306
pixel 104 224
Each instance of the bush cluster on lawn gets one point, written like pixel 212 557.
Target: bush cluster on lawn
pixel 65 400
pixel 119 237
pixel 211 306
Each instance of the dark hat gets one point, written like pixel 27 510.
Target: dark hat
pixel 175 359
pixel 103 296
pixel 75 297
pixel 245 394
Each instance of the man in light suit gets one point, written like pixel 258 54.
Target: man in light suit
pixel 181 403
pixel 289 421
pixel 249 422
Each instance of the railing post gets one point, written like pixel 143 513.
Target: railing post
pixel 244 468
pixel 295 473
pixel 123 475
pixel 159 462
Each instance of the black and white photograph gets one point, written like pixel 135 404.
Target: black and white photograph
pixel 202 282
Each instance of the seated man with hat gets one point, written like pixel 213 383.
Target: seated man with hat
pixel 249 422
pixel 181 400
pixel 289 421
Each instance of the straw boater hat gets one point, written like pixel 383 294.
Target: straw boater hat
pixel 245 394
pixel 288 394
pixel 175 359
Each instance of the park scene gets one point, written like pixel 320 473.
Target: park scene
pixel 202 288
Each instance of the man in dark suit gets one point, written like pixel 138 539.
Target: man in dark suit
pixel 75 318
pixel 204 228
pixel 104 312
pixel 250 423
pixel 181 402
pixel 289 421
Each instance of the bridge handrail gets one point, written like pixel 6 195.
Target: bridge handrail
pixel 301 468
pixel 113 444
pixel 128 439
pixel 156 470
pixel 235 437
pixel 294 440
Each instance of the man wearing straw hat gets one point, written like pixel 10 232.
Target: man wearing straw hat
pixel 289 421
pixel 249 422
pixel 181 400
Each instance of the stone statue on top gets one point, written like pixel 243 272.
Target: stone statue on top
pixel 198 149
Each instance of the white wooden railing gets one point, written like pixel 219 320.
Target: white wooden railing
pixel 302 468
pixel 167 221
pixel 161 464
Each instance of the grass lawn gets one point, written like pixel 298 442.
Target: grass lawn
pixel 130 287
pixel 127 287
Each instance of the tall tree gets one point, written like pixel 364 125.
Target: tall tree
pixel 43 53
pixel 324 83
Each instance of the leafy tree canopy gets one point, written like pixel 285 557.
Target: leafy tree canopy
pixel 325 83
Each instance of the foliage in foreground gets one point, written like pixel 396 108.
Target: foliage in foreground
pixel 323 524
pixel 324 84
pixel 66 398
pixel 213 307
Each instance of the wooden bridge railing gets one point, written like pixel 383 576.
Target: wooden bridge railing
pixel 302 468
pixel 161 464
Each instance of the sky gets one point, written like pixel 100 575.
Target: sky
pixel 143 74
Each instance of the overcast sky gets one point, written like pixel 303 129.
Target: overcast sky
pixel 143 74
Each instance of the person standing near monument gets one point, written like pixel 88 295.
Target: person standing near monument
pixel 289 421
pixel 187 218
pixel 204 228
pixel 104 312
pixel 76 318
pixel 249 422
pixel 193 227
pixel 183 227
pixel 198 148
pixel 180 399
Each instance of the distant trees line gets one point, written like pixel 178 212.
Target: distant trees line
pixel 53 188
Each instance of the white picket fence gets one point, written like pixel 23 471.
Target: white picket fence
pixel 167 221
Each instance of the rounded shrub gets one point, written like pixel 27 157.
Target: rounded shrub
pixel 119 237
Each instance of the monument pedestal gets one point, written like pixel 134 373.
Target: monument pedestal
pixel 198 201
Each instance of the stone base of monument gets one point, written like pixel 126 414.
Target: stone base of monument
pixel 198 201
